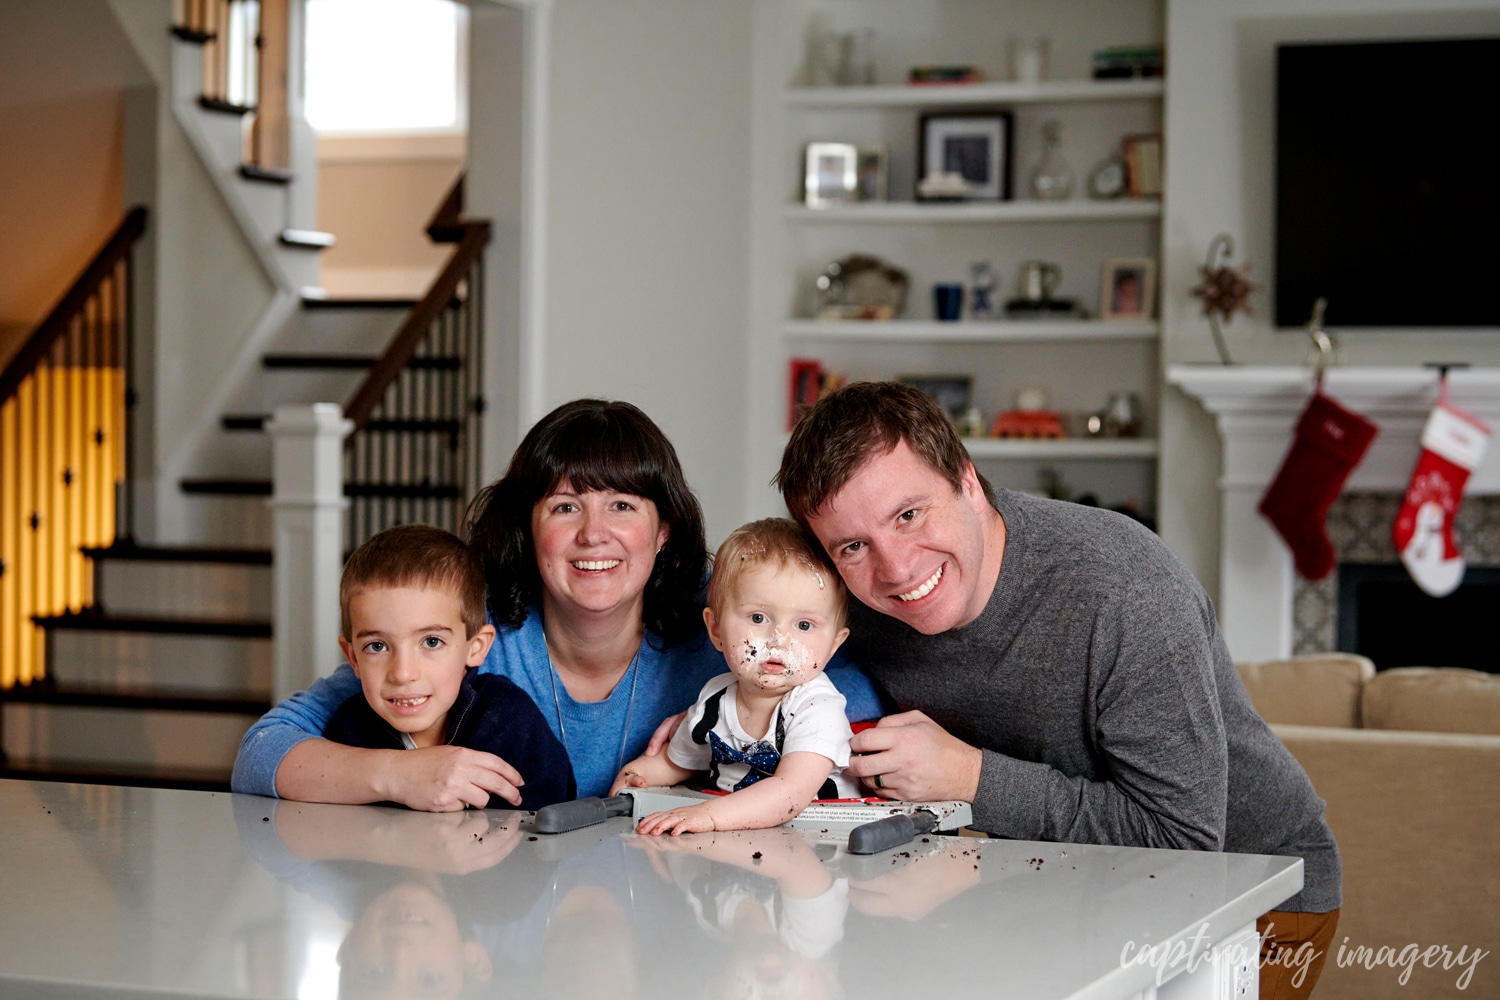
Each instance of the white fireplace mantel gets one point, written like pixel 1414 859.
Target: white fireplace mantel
pixel 1256 407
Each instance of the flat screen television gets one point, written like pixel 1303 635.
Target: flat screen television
pixel 1388 183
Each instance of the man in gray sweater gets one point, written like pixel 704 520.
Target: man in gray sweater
pixel 1055 665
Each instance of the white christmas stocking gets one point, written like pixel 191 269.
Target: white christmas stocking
pixel 1453 442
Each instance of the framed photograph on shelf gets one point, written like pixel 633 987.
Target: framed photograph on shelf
pixel 952 392
pixel 1128 290
pixel 872 172
pixel 830 174
pixel 973 145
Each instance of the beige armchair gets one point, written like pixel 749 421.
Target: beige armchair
pixel 1408 761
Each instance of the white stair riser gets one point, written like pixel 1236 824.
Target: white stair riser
pixel 267 388
pixel 184 589
pixel 265 203
pixel 60 735
pixel 339 331
pixel 303 268
pixel 235 455
pixel 224 135
pixel 210 519
pixel 211 664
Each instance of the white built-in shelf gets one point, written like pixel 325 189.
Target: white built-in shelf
pixel 1061 450
pixel 952 95
pixel 1076 210
pixel 971 331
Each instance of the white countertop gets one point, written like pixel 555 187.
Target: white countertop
pixel 150 892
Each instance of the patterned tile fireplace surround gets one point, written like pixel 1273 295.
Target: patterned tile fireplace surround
pixel 1267 611
pixel 1359 526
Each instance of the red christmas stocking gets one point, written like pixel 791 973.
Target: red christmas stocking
pixel 1328 443
pixel 1453 442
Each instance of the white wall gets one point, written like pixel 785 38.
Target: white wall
pixel 205 294
pixel 61 119
pixel 376 195
pixel 647 207
pixel 1219 128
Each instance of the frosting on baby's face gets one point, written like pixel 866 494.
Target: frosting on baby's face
pixel 780 627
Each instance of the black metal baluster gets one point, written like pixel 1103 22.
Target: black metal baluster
pixel 125 503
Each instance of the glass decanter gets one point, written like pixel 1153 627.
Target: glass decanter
pixel 1052 178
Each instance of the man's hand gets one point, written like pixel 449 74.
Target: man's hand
pixel 447 779
pixel 916 760
pixel 915 890
pixel 664 734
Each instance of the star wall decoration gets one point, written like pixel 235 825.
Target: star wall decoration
pixel 1225 290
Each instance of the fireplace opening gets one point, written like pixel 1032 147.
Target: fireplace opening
pixel 1382 614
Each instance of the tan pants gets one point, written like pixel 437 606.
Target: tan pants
pixel 1293 948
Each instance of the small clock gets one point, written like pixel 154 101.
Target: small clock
pixel 1107 180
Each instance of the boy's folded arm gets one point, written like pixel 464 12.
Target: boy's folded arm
pixel 435 779
pixel 774 800
pixel 296 719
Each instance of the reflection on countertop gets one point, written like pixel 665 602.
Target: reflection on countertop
pixel 208 894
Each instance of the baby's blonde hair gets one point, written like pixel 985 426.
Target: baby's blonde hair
pixel 770 541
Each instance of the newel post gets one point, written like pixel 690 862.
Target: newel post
pixel 307 503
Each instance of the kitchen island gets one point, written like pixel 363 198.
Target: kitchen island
pixel 135 892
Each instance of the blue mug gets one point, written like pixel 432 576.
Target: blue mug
pixel 948 301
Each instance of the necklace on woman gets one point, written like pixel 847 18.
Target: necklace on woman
pixel 562 725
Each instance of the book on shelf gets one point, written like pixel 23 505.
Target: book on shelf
pixel 925 76
pixel 1143 164
pixel 807 382
pixel 1123 62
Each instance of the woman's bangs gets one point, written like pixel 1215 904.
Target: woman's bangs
pixel 605 463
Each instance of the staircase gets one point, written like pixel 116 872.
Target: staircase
pixel 158 679
pixel 153 670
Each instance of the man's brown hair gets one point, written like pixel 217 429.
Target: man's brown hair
pixel 858 422
pixel 416 555
pixel 777 541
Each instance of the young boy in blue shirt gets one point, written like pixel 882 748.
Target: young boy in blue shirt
pixel 413 624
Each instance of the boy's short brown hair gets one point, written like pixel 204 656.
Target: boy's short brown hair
pixel 416 555
pixel 775 541
pixel 856 423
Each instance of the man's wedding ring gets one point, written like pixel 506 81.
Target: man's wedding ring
pixel 878 782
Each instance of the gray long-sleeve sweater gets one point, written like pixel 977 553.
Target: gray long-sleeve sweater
pixel 1105 701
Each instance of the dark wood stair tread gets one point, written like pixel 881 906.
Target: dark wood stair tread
pixel 133 551
pixel 257 422
pixel 266 175
pixel 96 621
pixel 327 302
pixel 244 421
pixel 138 699
pixel 226 107
pixel 336 361
pixel 306 239
pixel 262 488
pixel 354 361
pixel 194 35
pixel 227 487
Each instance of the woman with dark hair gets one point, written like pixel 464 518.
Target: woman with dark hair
pixel 593 549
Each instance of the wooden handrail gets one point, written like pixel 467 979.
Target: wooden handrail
pixel 446 224
pixel 476 234
pixel 56 324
